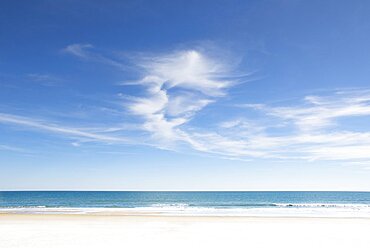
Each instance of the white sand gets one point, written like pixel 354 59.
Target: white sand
pixel 68 231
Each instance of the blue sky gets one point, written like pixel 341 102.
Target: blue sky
pixel 185 95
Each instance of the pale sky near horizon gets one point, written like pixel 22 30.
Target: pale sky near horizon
pixel 185 95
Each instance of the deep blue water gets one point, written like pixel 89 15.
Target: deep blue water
pixel 125 199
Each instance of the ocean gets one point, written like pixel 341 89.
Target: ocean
pixel 257 203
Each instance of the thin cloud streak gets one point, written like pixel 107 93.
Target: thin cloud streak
pixel 71 132
pixel 79 50
pixel 44 79
pixel 322 112
pixel 84 51
pixel 12 149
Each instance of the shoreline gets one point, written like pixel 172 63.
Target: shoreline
pixel 198 212
pixel 168 217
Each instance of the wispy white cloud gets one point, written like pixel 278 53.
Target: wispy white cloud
pixel 12 148
pixel 177 86
pixel 79 50
pixel 321 112
pixel 85 51
pixel 309 136
pixel 49 127
pixel 188 69
pixel 44 79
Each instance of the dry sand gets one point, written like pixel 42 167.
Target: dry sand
pixel 69 231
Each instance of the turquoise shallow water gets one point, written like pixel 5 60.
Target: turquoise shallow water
pixel 214 200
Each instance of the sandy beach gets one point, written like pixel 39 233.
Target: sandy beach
pixel 89 230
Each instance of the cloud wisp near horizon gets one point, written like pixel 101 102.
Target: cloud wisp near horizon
pixel 173 88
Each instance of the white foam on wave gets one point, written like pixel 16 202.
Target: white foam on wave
pixel 283 210
pixel 179 209
pixel 170 205
pixel 322 205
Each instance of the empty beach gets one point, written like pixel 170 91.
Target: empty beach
pixel 138 230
